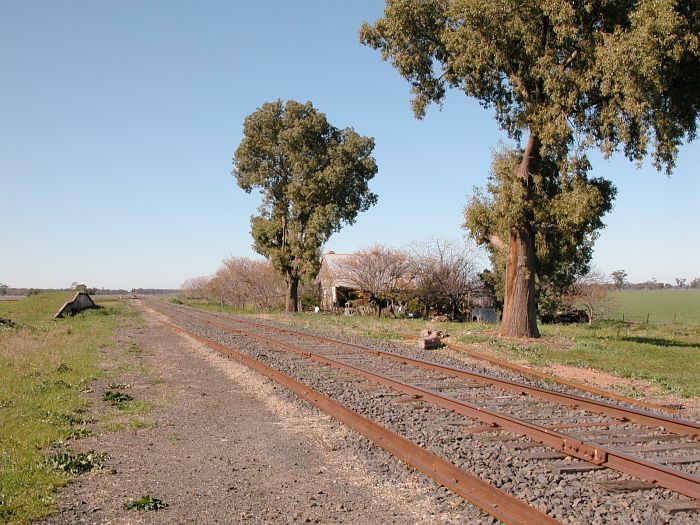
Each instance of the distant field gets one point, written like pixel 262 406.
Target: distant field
pixel 662 306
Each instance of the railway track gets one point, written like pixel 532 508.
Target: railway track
pixel 566 433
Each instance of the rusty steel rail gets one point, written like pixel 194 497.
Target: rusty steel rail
pixel 549 377
pixel 673 425
pixel 523 370
pixel 488 498
pixel 655 473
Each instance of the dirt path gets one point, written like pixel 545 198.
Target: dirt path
pixel 220 446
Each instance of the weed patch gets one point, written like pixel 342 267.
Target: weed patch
pixel 77 463
pixel 80 433
pixel 134 348
pixel 116 398
pixel 119 386
pixel 145 503
pixel 135 407
pixel 140 423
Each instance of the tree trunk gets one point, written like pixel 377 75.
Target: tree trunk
pixel 520 307
pixel 292 294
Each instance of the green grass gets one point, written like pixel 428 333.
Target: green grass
pixel 44 366
pixel 135 407
pixel 662 306
pixel 668 357
pixel 214 307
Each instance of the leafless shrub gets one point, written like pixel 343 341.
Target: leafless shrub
pixel 243 282
pixel 445 273
pixel 380 273
pixel 194 287
pixel 591 292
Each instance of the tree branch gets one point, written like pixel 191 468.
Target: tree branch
pixel 569 59
pixel 520 86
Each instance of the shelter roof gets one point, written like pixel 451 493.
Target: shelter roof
pixel 333 264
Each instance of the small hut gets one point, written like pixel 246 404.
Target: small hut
pixel 335 290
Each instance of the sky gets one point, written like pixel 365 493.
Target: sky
pixel 119 120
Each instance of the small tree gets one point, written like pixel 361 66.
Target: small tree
pixel 592 293
pixel 695 283
pixel 194 287
pixel 566 213
pixel 382 273
pixel 680 282
pixel 619 277
pixel 241 281
pixel 313 178
pixel 3 289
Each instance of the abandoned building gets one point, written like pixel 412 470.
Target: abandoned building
pixel 335 290
pixel 338 294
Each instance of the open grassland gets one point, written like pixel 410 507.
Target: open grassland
pixel 667 355
pixel 44 366
pixel 661 306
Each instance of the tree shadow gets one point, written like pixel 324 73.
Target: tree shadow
pixel 657 341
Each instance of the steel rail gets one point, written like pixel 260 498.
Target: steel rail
pixel 656 473
pixel 488 498
pixel 549 377
pixel 673 425
pixel 524 371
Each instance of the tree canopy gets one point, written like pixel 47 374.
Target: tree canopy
pixel 618 75
pixel 313 178
pixel 566 212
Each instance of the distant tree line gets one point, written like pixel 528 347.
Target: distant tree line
pixel 24 292
pixel 619 278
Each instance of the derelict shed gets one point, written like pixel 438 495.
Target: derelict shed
pixel 336 290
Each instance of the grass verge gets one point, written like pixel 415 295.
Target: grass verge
pixel 664 355
pixel 44 366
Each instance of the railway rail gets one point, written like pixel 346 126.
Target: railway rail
pixel 664 451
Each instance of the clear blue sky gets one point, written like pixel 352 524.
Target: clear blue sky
pixel 118 122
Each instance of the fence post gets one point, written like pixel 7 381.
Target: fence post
pixel 647 317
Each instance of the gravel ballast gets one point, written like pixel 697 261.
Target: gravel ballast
pixel 573 498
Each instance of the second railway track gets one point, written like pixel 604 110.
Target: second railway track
pixel 549 448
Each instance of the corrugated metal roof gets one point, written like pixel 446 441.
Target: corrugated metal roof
pixel 333 264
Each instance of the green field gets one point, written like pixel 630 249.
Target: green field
pixel 662 306
pixel 44 366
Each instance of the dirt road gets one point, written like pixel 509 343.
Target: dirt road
pixel 219 444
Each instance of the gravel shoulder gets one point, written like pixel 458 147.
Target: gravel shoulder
pixel 219 444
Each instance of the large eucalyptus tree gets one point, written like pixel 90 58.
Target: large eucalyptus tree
pixel 313 178
pixel 562 75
